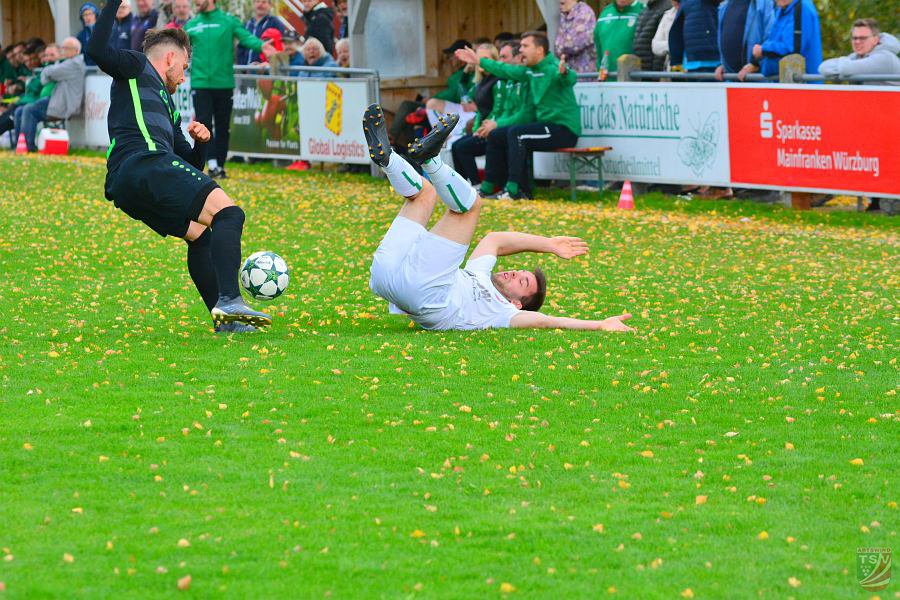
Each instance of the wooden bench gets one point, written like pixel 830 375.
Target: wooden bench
pixel 589 157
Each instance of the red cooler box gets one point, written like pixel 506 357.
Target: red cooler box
pixel 53 141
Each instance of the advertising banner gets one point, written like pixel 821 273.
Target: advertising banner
pixel 265 121
pixel 330 111
pixel 825 138
pixel 658 133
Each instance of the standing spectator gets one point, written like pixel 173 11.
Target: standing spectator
pixel 181 14
pixel 644 32
pixel 314 55
pixel 575 39
pixel 88 15
pixel 660 44
pixel 120 39
pixel 212 34
pixel 742 25
pixel 262 19
pixel 67 95
pixel 795 31
pixel 342 49
pixel 145 20
pixel 692 40
pixel 614 33
pixel 555 107
pixel 873 53
pixel 344 11
pixel 319 20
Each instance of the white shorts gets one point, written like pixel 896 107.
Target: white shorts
pixel 415 270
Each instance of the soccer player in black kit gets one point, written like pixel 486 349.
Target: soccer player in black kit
pixel 154 176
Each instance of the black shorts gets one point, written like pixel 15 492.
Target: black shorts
pixel 160 189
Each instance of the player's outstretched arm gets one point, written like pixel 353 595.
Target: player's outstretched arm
pixel 119 64
pixel 504 243
pixel 535 320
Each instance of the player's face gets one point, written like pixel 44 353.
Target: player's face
pixel 176 64
pixel 515 285
pixel 531 53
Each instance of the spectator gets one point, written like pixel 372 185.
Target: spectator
pixel 342 49
pixel 314 55
pixel 120 39
pixel 262 19
pixel 692 39
pixel 575 39
pixel 13 70
pixel 34 91
pixel 644 32
pixel 457 98
pixel 146 19
pixel 319 20
pixel 614 33
pixel 212 34
pixel 786 37
pixel 67 93
pixel 488 98
pixel 344 11
pixel 293 46
pixel 88 15
pixel 742 25
pixel 558 118
pixel 660 44
pixel 181 14
pixel 873 53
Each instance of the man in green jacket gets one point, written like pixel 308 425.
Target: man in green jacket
pixel 614 33
pixel 556 112
pixel 212 34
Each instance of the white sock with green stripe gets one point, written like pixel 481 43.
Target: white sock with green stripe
pixel 457 193
pixel 404 179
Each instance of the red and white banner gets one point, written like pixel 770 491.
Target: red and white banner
pixel 818 138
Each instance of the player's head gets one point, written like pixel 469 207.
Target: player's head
pixel 534 47
pixel 524 289
pixel 169 51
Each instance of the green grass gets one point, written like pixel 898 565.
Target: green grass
pixel 344 453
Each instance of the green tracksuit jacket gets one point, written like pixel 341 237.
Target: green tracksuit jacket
pixel 212 38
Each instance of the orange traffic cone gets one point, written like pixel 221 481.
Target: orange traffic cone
pixel 21 147
pixel 626 199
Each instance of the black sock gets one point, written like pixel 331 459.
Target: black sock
pixel 227 226
pixel 200 266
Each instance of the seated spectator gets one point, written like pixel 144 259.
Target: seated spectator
pixel 88 15
pixel 614 33
pixel 644 32
pixel 13 71
pixel 181 14
pixel 319 20
pixel 488 98
pixel 145 20
pixel 121 33
pixel 873 53
pixel 660 44
pixel 342 49
pixel 67 96
pixel 575 36
pixel 742 25
pixel 457 98
pixel 556 112
pixel 783 39
pixel 314 55
pixel 505 37
pixel 34 91
pixel 692 39
pixel 261 20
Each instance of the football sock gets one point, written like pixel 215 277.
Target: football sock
pixel 452 188
pixel 512 187
pixel 200 266
pixel 212 164
pixel 227 227
pixel 487 188
pixel 404 179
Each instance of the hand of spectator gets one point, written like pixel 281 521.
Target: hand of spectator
pixel 198 132
pixel 562 64
pixel 469 106
pixel 602 74
pixel 720 73
pixel 467 55
pixel 268 49
pixel 486 128
pixel 757 51
pixel 568 247
pixel 745 70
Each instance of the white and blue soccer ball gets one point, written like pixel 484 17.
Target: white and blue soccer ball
pixel 265 275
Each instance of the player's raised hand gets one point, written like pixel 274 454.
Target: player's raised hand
pixel 568 247
pixel 198 131
pixel 467 55
pixel 616 323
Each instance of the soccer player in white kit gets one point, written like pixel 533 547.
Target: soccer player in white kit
pixel 421 273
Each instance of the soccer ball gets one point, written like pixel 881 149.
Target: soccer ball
pixel 265 275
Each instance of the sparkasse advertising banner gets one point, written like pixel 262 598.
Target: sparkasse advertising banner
pixel 330 113
pixel 827 138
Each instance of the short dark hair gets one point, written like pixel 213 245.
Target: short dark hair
pixel 540 39
pixel 504 36
pixel 872 24
pixel 174 37
pixel 536 300
pixel 512 44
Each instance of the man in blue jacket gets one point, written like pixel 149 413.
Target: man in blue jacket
pixel 795 31
pixel 692 39
pixel 262 19
pixel 742 25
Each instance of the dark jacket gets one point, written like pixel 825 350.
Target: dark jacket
pixel 693 34
pixel 320 25
pixel 120 39
pixel 645 29
pixel 484 95
pixel 139 28
pixel 246 56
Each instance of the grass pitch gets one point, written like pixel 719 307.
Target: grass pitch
pixel 738 445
